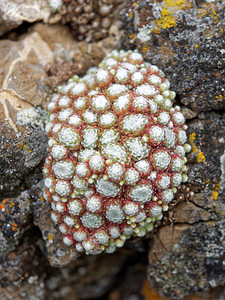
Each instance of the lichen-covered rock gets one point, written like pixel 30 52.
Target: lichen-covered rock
pixel 196 262
pixel 186 39
pixel 89 277
pixel 117 153
pixel 14 214
pixel 22 272
pixel 198 221
pixel 56 251
pixel 20 153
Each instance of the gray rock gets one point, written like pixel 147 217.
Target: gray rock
pixel 13 13
pixel 186 40
pixel 195 264
pixel 89 277
pixel 192 250
pixel 15 216
pixel 22 274
pixel 20 154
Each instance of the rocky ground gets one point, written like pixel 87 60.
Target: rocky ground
pixel 184 258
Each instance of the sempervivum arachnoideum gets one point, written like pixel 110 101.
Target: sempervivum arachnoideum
pixel 116 153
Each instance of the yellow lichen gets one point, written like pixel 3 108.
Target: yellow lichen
pixel 213 15
pixel 24 146
pixel 192 137
pixel 167 19
pixel 219 98
pixel 130 15
pixel 50 236
pixel 132 36
pixel 175 3
pixel 200 155
pixel 215 192
pixel 214 195
pixel 194 148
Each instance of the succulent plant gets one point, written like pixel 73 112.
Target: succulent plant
pixel 55 5
pixel 88 20
pixel 116 153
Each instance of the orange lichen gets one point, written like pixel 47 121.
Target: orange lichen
pixel 144 49
pixel 149 293
pixel 5 205
pixel 14 226
pixel 2 206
